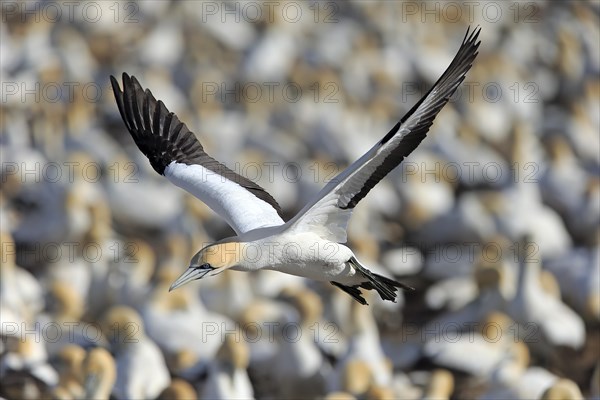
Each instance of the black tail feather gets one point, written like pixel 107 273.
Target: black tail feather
pixel 353 291
pixel 386 287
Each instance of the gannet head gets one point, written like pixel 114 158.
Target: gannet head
pixel 211 260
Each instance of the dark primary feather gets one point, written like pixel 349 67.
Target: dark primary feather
pixel 162 138
pixel 420 117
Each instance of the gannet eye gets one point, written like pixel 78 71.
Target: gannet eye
pixel 203 266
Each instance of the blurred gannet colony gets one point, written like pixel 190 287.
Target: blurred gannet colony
pixel 494 219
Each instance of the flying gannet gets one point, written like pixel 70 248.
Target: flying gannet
pixel 309 244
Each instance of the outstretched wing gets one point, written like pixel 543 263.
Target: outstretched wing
pixel 174 152
pixel 329 213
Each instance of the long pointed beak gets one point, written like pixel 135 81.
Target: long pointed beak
pixel 191 274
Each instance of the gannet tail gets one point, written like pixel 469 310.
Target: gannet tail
pixel 386 287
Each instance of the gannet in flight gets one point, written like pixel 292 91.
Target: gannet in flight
pixel 309 244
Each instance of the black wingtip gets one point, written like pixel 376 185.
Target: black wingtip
pixel 468 49
pixel 163 138
pixel 473 34
pixel 471 38
pixel 116 88
pixel 113 81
